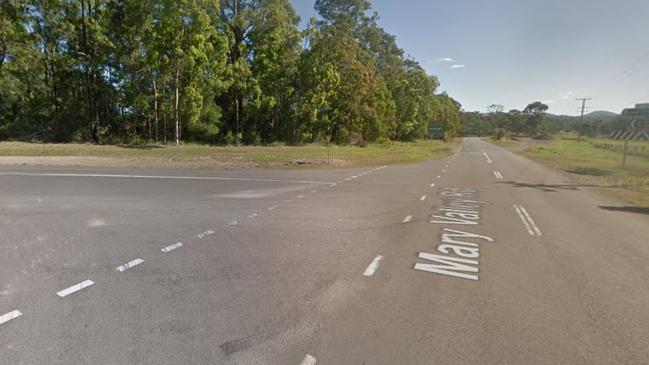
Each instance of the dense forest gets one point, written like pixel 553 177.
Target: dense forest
pixel 228 71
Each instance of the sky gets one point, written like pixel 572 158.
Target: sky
pixel 513 52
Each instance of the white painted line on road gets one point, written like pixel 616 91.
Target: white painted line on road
pixel 272 207
pixel 443 171
pixel 347 179
pixel 432 185
pixel 172 247
pixel 314 191
pixel 308 360
pixel 129 265
pixel 439 176
pixel 161 177
pixel 332 185
pixel 487 156
pixel 10 316
pixel 536 229
pixel 354 177
pixel 253 215
pixel 75 288
pixel 407 219
pixel 205 234
pixel 233 223
pixel 373 266
pixel 527 225
pixel 423 197
pixel 498 175
pixel 300 196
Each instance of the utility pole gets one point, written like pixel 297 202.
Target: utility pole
pixel 581 119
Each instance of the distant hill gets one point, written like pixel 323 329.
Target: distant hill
pixel 600 114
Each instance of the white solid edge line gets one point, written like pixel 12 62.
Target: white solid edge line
pixel 10 316
pixel 171 247
pixel 308 360
pixel 423 197
pixel 496 174
pixel 75 288
pixel 373 266
pixel 527 225
pixel 536 229
pixel 160 177
pixel 129 265
pixel 407 219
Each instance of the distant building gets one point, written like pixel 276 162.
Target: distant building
pixel 641 111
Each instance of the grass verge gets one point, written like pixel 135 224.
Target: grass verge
pixel 598 162
pixel 203 156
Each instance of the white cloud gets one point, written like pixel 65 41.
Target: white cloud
pixel 457 66
pixel 445 59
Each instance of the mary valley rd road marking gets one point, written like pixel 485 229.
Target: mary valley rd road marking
pixel 458 251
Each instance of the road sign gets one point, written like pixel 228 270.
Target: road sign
pixel 630 135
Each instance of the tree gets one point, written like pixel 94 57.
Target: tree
pixel 535 112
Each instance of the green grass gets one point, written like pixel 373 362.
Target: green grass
pixel 195 155
pixel 598 161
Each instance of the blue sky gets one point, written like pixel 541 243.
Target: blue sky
pixel 512 52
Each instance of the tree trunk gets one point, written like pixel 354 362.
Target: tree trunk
pixel 155 107
pixel 177 129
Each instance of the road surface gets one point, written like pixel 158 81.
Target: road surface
pixel 484 257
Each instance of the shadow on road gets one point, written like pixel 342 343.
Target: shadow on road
pixel 545 187
pixel 629 209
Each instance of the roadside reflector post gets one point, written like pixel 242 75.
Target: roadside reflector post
pixel 626 147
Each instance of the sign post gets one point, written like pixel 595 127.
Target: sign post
pixel 631 134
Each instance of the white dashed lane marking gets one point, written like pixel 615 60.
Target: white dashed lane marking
pixel 272 207
pixel 439 176
pixel 432 185
pixel 407 219
pixel 371 269
pixel 423 197
pixel 129 265
pixel 487 157
pixel 75 288
pixel 308 360
pixel 498 175
pixel 205 234
pixel 300 196
pixel 10 316
pixel 172 247
pixel 233 223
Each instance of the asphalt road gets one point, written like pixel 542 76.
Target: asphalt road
pixel 483 257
